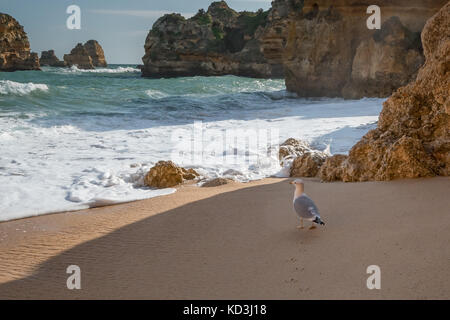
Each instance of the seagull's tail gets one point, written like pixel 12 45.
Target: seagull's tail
pixel 319 221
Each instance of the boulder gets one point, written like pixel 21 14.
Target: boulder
pixel 306 161
pixel 307 165
pixel 14 46
pixel 166 174
pixel 333 168
pixel 292 148
pixel 216 182
pixel 412 139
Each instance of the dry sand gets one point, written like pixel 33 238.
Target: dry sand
pixel 240 241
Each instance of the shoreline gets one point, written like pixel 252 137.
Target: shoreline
pixel 239 241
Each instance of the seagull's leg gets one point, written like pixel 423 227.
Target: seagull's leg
pixel 301 224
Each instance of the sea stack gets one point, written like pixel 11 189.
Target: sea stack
pixel 95 51
pixel 219 41
pixel 48 58
pixel 413 135
pixel 14 46
pixel 87 56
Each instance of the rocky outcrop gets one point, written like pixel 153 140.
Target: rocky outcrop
pixel 48 58
pixel 14 46
pixel 166 174
pixel 218 41
pixel 95 51
pixel 329 51
pixel 87 56
pixel 413 135
pixel 79 57
pixel 306 162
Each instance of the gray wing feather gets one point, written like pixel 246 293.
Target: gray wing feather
pixel 306 208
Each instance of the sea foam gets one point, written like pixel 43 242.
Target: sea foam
pixel 17 88
pixel 93 140
pixel 75 69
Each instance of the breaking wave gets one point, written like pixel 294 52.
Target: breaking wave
pixel 17 88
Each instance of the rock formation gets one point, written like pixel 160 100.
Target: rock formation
pixel 79 57
pixel 87 56
pixel 219 41
pixel 306 162
pixel 95 51
pixel 14 46
pixel 413 135
pixel 329 51
pixel 322 48
pixel 166 174
pixel 48 58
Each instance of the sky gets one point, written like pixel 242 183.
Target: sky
pixel 119 26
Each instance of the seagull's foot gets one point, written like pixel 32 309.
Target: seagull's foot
pixel 312 227
pixel 300 227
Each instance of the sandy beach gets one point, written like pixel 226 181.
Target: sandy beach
pixel 239 241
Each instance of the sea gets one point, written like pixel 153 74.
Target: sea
pixel 72 139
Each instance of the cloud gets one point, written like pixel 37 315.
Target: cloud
pixel 138 13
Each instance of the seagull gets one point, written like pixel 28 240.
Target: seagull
pixel 304 206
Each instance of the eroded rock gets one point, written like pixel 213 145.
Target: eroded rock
pixel 413 135
pixel 48 58
pixel 328 50
pixel 166 174
pixel 306 161
pixel 218 41
pixel 95 51
pixel 216 182
pixel 79 57
pixel 87 56
pixel 14 46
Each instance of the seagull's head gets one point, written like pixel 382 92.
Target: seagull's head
pixel 297 182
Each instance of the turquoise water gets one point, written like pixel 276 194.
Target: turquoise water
pixel 72 139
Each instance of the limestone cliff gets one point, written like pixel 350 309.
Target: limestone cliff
pixel 48 58
pixel 14 46
pixel 87 56
pixel 329 51
pixel 218 41
pixel 413 134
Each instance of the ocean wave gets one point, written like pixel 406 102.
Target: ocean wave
pixel 17 88
pixel 75 69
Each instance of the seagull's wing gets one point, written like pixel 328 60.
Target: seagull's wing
pixel 304 207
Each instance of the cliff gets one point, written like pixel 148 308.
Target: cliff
pixel 48 58
pixel 87 56
pixel 413 134
pixel 329 51
pixel 14 46
pixel 218 41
